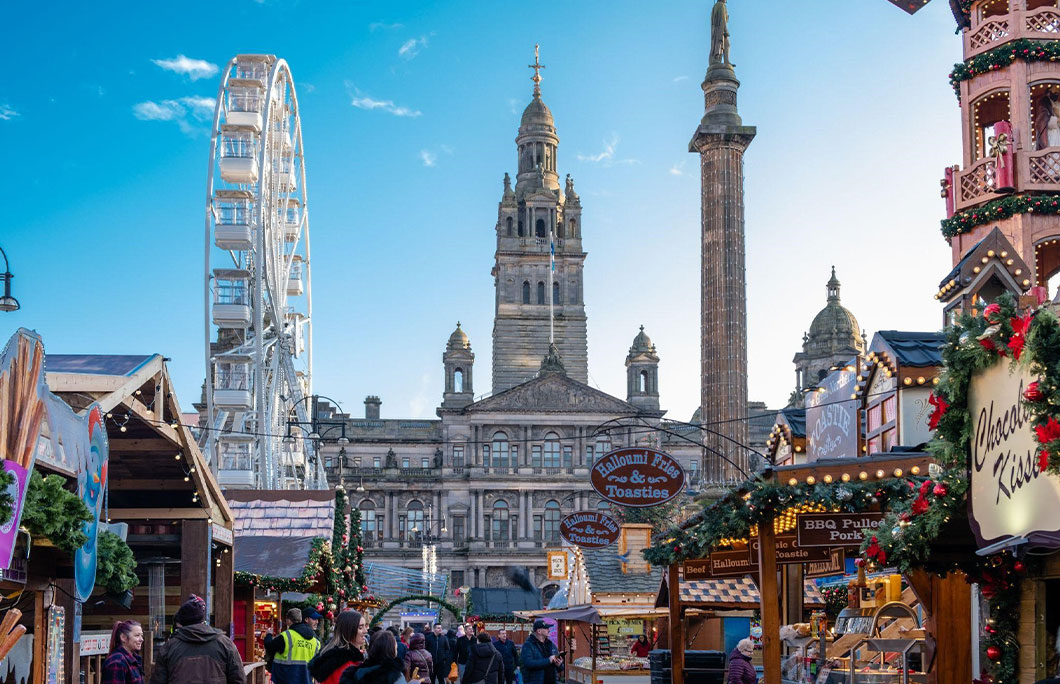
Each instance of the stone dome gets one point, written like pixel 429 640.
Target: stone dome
pixel 458 340
pixel 834 326
pixel 642 343
pixel 537 115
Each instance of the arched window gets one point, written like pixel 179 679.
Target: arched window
pixel 573 230
pixel 551 450
pixel 552 522
pixel 414 520
pixel 642 381
pixel 522 232
pixel 603 506
pixel 499 523
pixel 509 222
pixel 539 228
pixel 458 380
pixel 526 292
pixel 555 293
pixel 540 293
pixel 499 450
pixel 368 521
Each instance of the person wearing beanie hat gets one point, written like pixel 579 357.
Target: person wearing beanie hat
pixel 540 661
pixel 197 653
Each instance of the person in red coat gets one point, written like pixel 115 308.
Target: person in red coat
pixel 346 648
pixel 124 665
pixel 640 647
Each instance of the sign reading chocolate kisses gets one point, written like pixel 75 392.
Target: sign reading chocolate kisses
pixel 589 529
pixel 637 477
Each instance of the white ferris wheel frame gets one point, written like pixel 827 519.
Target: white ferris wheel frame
pixel 271 408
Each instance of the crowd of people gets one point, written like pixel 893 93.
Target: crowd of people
pixel 199 654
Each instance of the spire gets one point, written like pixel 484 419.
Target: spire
pixel 537 66
pixel 833 288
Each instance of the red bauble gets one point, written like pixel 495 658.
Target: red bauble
pixel 320 605
pixel 988 591
pixel 940 490
pixel 331 615
pixel 993 652
pixel 1018 566
pixel 990 630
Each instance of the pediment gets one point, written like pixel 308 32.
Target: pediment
pixel 552 393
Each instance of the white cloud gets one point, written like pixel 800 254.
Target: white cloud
pixel 420 404
pixel 178 111
pixel 429 158
pixel 513 104
pixel 410 48
pixel 607 156
pixel 381 26
pixel 678 79
pixel 192 68
pixel 366 102
pixel 678 169
pixel 7 112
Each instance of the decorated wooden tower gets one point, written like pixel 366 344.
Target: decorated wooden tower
pixel 1003 200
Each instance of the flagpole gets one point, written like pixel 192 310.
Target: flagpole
pixel 551 296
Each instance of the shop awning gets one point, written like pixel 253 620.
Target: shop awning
pixel 732 593
pixel 594 614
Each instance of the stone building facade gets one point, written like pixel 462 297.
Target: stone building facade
pixel 832 339
pixel 489 481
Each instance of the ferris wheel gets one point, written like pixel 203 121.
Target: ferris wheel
pixel 258 294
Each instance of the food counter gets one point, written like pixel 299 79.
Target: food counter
pixel 610 670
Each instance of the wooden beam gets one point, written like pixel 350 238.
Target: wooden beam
pixel 125 446
pixel 152 420
pixel 223 587
pixel 84 382
pixel 130 385
pixel 767 590
pixel 118 514
pixel 128 484
pixel 677 625
pixel 195 558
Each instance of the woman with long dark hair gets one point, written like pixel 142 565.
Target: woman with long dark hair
pixel 345 649
pixel 640 648
pixel 124 665
pixel 381 666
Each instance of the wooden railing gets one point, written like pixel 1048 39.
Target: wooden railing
pixel 976 184
pixel 255 673
pixel 1042 23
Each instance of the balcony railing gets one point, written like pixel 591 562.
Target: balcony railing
pixel 1042 23
pixel 976 184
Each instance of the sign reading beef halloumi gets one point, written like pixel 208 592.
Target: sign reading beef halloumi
pixel 589 529
pixel 1009 494
pixel 637 477
pixel 834 529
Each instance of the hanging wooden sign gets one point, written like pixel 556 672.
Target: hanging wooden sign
pixel 698 569
pixel 733 563
pixel 637 477
pixel 589 529
pixel 834 529
pixel 789 552
pixel 835 565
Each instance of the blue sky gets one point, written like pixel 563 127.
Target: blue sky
pixel 107 156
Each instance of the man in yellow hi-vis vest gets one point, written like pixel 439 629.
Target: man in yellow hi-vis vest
pixel 292 650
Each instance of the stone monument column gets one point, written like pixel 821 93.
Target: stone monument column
pixel 720 140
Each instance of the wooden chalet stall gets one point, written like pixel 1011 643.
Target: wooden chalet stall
pixel 278 538
pixel 178 524
pixel 786 444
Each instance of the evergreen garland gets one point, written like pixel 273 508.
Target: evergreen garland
pixel 1000 57
pixel 964 221
pixel 54 513
pixel 116 565
pixel 423 598
pixel 7 501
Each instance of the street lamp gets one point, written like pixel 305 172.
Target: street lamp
pixel 7 302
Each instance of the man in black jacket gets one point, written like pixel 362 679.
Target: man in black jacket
pixel 441 653
pixel 197 653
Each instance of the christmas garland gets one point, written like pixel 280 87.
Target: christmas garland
pixel 53 512
pixel 423 598
pixel 116 567
pixel 905 539
pixel 1000 57
pixel 732 517
pixel 964 221
pixel 835 600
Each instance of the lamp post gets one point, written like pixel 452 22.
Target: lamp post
pixel 7 302
pixel 317 430
pixel 430 547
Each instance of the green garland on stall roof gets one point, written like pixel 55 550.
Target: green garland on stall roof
pixel 997 333
pixel 116 564
pixel 964 221
pixel 54 513
pixel 1000 57
pixel 320 563
pixel 426 599
pixel 732 517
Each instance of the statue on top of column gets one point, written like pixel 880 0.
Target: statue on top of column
pixel 719 34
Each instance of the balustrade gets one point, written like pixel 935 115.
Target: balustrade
pixel 1042 23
